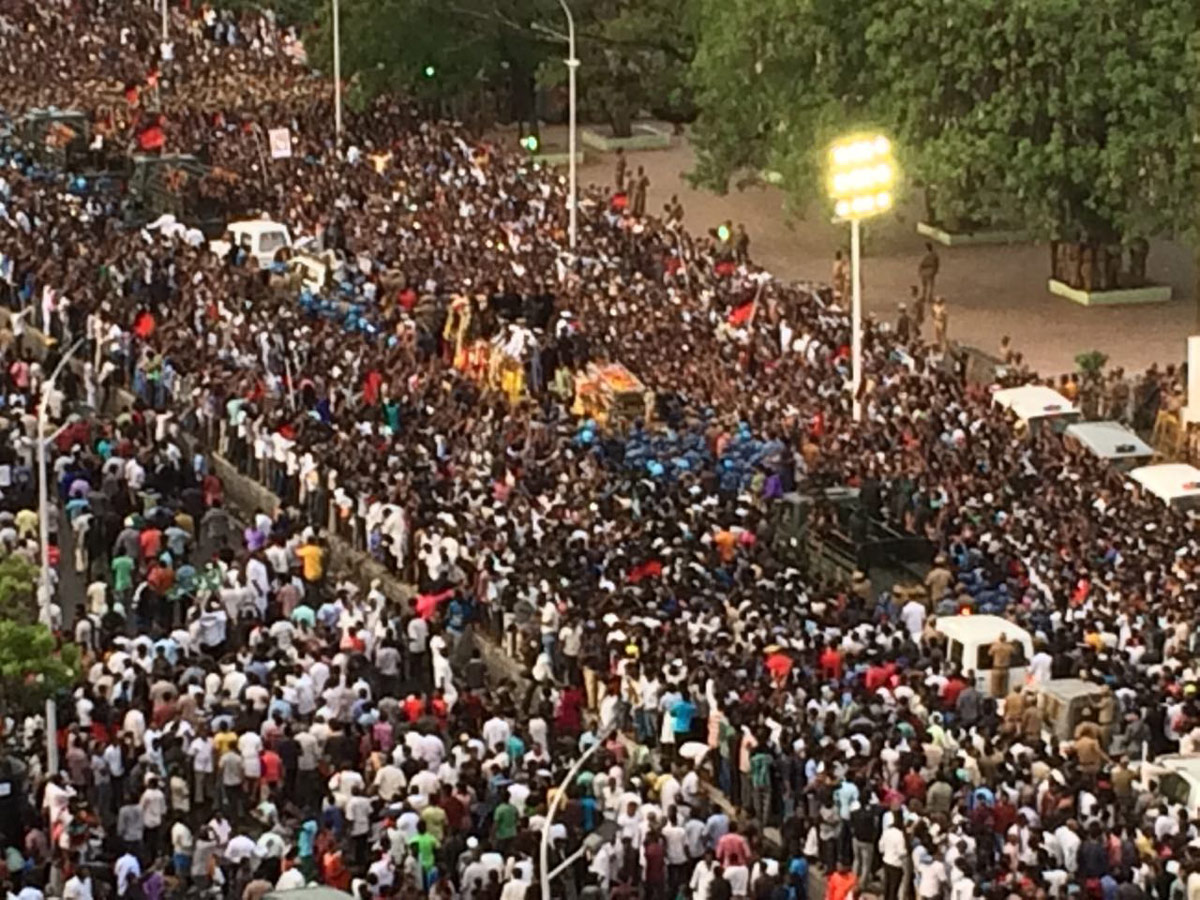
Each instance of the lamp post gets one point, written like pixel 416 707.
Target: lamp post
pixel 544 856
pixel 337 74
pixel 861 175
pixel 44 593
pixel 166 20
pixel 572 65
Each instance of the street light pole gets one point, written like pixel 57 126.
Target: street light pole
pixel 544 855
pixel 856 318
pixel 44 593
pixel 572 65
pixel 861 175
pixel 337 74
pixel 166 19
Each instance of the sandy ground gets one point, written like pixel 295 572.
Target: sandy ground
pixel 991 291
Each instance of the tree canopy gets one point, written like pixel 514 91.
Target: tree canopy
pixel 480 52
pixel 18 590
pixel 33 667
pixel 1073 119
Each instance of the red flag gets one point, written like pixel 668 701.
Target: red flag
pixel 143 325
pixel 151 138
pixel 649 569
pixel 739 315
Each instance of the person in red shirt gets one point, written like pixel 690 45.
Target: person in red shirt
pixel 841 883
pixel 160 578
pixel 879 675
pixel 830 662
pixel 732 849
pixel 334 870
pixel 414 707
pixel 272 771
pixel 441 712
pixel 569 717
pixel 654 866
pixel 458 815
pixel 1004 814
pixel 778 663
pixel 954 686
pixel 913 785
pixel 151 542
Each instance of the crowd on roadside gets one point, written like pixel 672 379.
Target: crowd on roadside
pixel 247 722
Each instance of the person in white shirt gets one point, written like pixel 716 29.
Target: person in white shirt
pixel 496 731
pixel 78 887
pixel 154 811
pixel 127 869
pixel 1068 843
pixel 962 881
pixel 739 880
pixel 203 765
pixel 290 880
pixel 893 849
pixel 931 876
pixel 250 746
pixel 183 842
pixel 703 877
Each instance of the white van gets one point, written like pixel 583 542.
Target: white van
pixel 1037 405
pixel 260 238
pixel 1111 441
pixel 969 642
pixel 1177 778
pixel 1176 484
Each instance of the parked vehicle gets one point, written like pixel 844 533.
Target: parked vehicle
pixel 260 238
pixel 969 646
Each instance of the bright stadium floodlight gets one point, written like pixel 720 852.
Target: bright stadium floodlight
pixel 861 174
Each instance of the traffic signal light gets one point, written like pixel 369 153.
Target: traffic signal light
pixel 723 233
pixel 430 71
pixel 530 143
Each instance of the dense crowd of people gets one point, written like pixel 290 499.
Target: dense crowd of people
pixel 248 721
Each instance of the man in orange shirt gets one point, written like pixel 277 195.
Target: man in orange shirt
pixel 726 543
pixel 842 883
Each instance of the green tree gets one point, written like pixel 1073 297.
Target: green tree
pixel 452 56
pixel 463 56
pixel 633 57
pixel 950 81
pixel 18 590
pixel 1074 119
pixel 775 81
pixel 33 667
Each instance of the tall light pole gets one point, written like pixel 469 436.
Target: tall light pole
pixel 166 20
pixel 544 855
pixel 861 175
pixel 337 74
pixel 45 599
pixel 572 65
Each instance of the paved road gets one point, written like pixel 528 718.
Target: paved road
pixel 990 290
pixel 72 586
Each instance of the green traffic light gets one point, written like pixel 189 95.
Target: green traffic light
pixel 430 71
pixel 530 143
pixel 723 232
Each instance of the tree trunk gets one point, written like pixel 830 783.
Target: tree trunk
pixel 621 119
pixel 930 210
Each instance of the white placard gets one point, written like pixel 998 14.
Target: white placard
pixel 280 140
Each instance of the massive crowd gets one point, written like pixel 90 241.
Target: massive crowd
pixel 247 722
